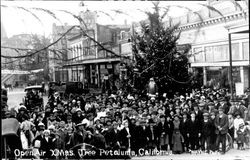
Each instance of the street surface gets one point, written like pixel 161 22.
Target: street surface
pixel 232 154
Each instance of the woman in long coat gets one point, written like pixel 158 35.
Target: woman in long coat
pixel 177 138
pixel 177 141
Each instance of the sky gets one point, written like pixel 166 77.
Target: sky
pixel 18 21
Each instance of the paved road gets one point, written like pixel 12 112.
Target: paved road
pixel 16 96
pixel 232 154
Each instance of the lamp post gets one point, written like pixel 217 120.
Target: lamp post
pixel 231 65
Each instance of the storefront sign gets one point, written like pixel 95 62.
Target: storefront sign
pixel 239 87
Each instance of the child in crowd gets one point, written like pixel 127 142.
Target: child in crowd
pixel 241 136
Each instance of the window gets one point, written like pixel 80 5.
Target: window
pixel 198 54
pixel 245 48
pixel 73 53
pixel 235 52
pixel 209 54
pixel 221 53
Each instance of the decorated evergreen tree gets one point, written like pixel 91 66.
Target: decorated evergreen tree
pixel 157 55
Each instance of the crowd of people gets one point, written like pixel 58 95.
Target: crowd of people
pixel 198 121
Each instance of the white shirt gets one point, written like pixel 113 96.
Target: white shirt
pixel 120 127
pixel 237 122
pixel 127 129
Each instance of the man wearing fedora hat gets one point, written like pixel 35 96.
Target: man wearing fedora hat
pixel 184 130
pixel 112 137
pixel 237 107
pixel 152 134
pixel 194 132
pixel 78 136
pixel 221 124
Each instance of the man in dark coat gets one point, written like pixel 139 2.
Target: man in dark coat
pixel 47 143
pixel 206 129
pixel 216 104
pixel 236 107
pixel 152 134
pixel 112 137
pixel 198 113
pixel 199 117
pixel 78 137
pixel 194 132
pixel 224 105
pixel 221 124
pixel 95 138
pixel 170 126
pixel 162 133
pixel 77 117
pixel 213 135
pixel 184 131
pixel 141 136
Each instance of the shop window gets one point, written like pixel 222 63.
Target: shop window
pixel 209 54
pixel 235 52
pixel 245 48
pixel 198 55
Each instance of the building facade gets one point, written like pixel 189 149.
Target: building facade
pixel 89 62
pixel 59 52
pixel 209 38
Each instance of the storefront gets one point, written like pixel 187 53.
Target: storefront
pixel 93 71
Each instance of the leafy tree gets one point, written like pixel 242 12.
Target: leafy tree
pixel 157 56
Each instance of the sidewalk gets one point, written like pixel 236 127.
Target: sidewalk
pixel 232 154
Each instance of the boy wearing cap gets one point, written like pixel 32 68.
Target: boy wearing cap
pixel 240 136
pixel 206 132
pixel 221 124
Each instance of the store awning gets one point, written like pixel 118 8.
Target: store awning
pixel 7 71
pixel 238 29
pixel 93 61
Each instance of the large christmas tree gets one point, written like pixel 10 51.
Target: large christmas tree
pixel 157 55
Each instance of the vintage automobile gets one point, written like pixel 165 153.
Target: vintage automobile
pixel 10 138
pixel 56 87
pixel 33 97
pixel 66 88
pixel 74 88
